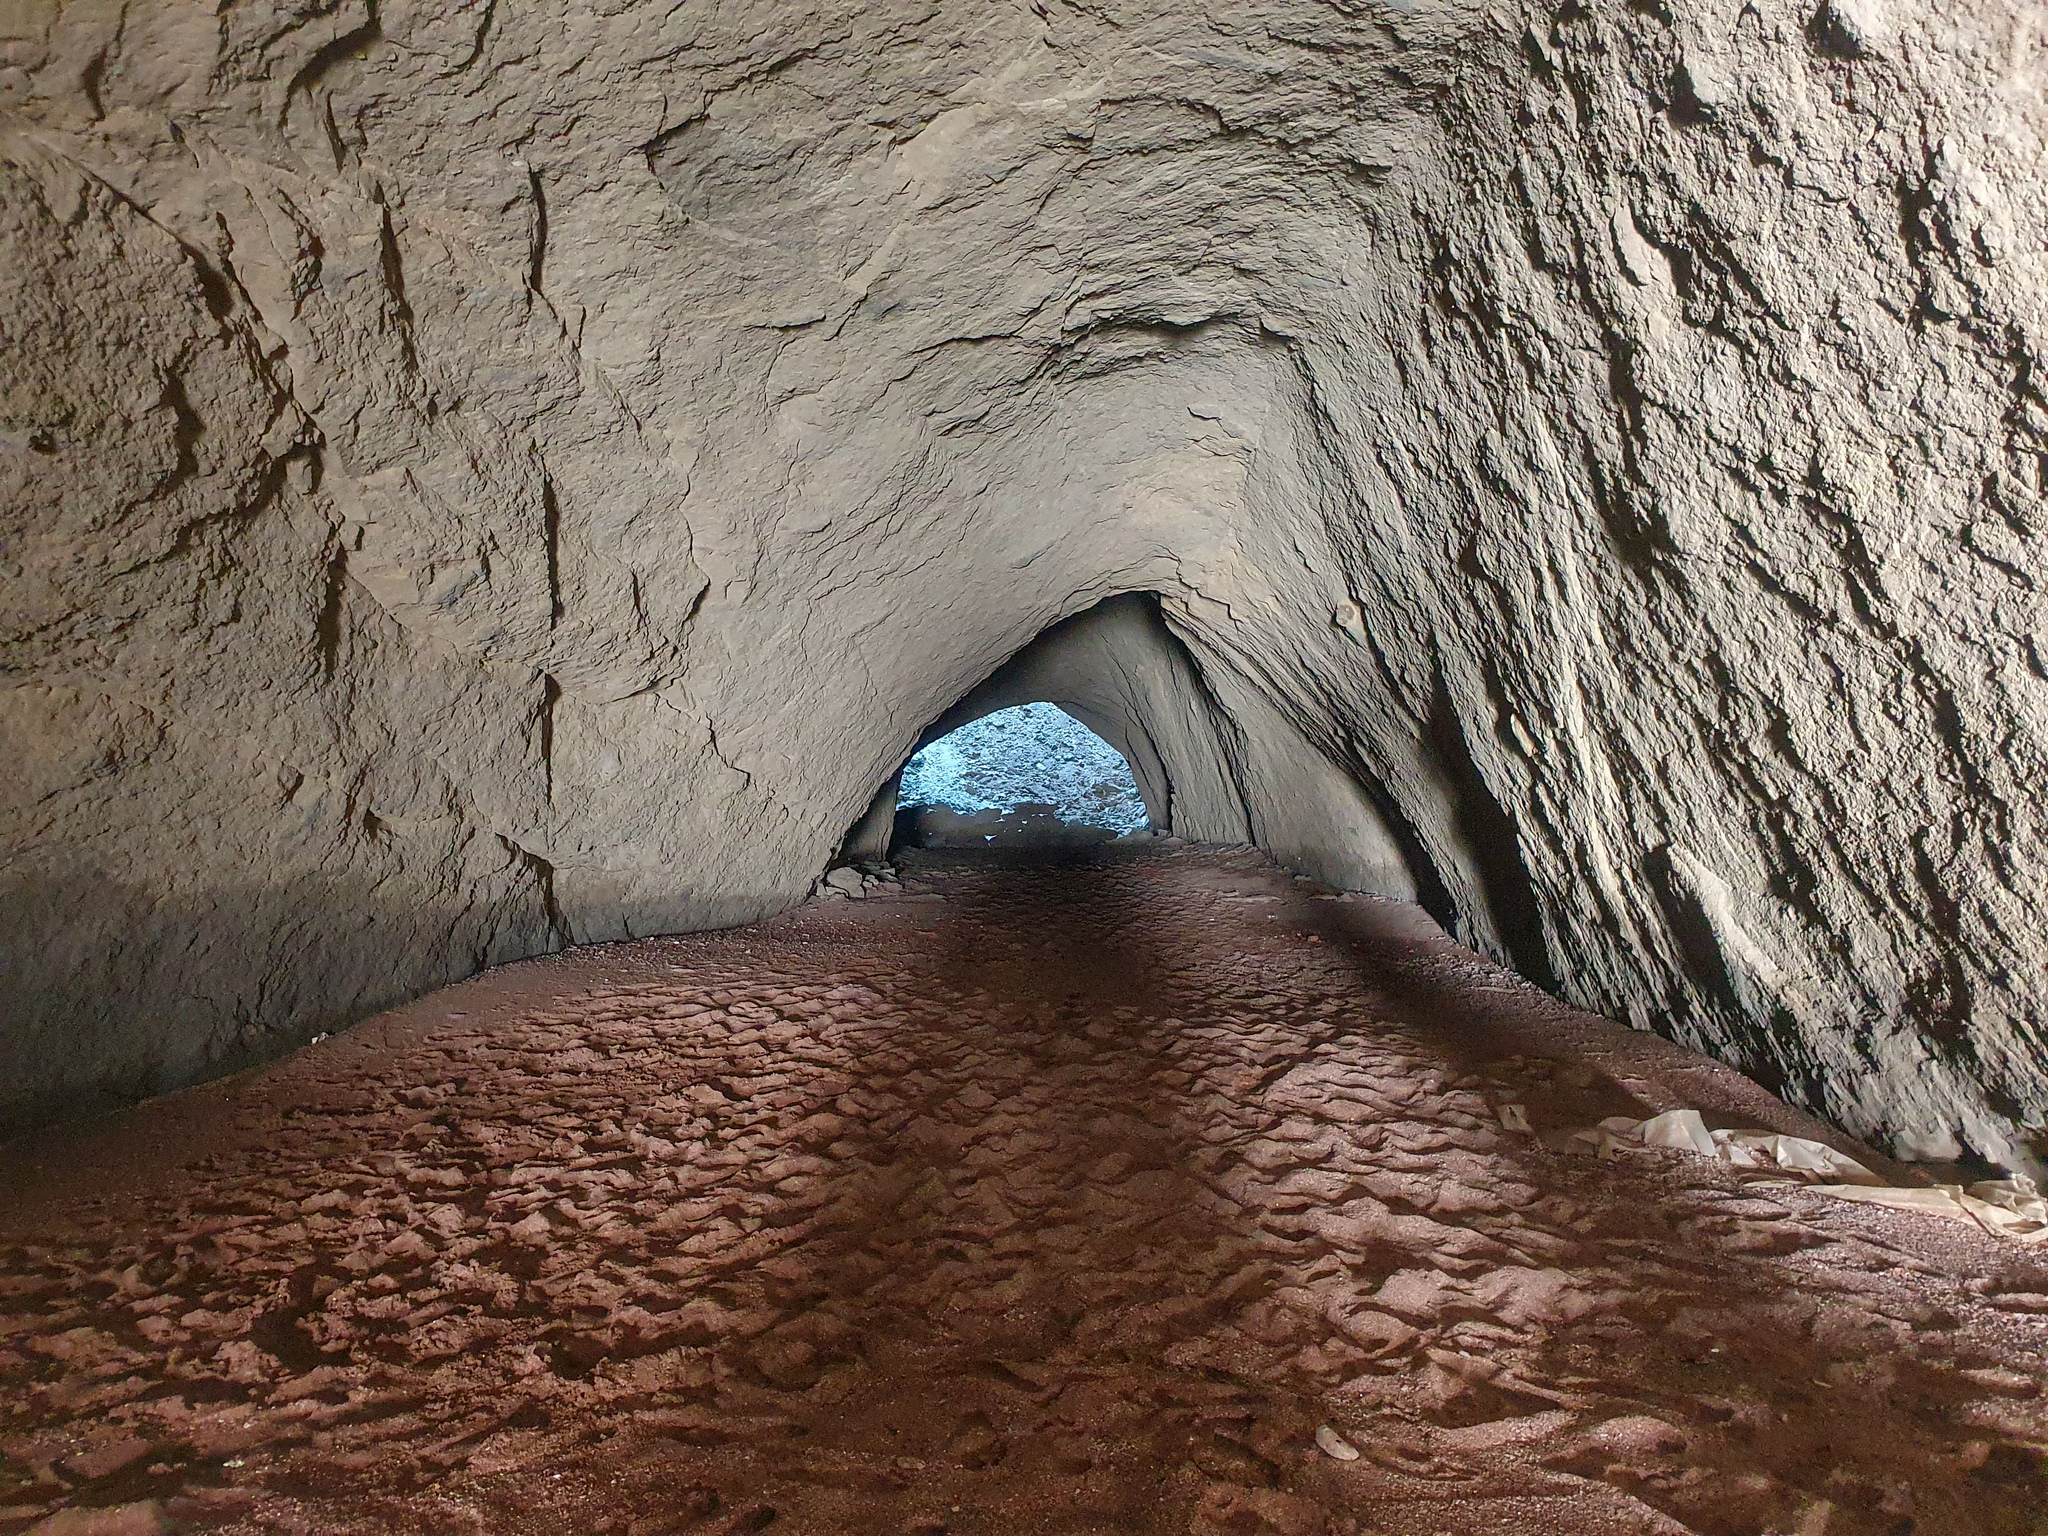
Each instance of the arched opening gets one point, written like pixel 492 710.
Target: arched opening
pixel 1213 760
pixel 1031 773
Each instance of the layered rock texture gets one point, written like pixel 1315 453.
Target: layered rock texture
pixel 481 477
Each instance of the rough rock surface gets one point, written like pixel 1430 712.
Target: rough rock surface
pixel 1036 1200
pixel 480 476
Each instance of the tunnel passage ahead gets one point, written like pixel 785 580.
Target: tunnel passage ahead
pixel 1044 1198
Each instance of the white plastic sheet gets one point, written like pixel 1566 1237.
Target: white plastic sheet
pixel 1683 1129
pixel 1791 1154
pixel 2011 1208
pixel 1680 1128
pixel 2003 1207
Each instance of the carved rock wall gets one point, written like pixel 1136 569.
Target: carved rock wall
pixel 487 476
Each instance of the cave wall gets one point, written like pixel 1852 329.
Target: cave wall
pixel 485 477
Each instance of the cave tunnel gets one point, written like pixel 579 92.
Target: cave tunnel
pixel 1545 501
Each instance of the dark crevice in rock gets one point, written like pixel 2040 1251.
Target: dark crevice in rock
pixel 1489 835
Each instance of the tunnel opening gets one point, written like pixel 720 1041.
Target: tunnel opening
pixel 1029 775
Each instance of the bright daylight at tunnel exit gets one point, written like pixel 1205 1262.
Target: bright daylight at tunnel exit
pixel 1021 768
pixel 1032 759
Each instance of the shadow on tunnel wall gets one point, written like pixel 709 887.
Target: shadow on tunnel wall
pixel 1489 833
pixel 111 993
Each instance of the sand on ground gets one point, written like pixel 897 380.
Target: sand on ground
pixel 1040 1197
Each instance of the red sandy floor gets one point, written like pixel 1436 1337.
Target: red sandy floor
pixel 1054 1199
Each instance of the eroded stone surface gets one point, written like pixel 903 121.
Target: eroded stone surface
pixel 1034 1200
pixel 483 475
